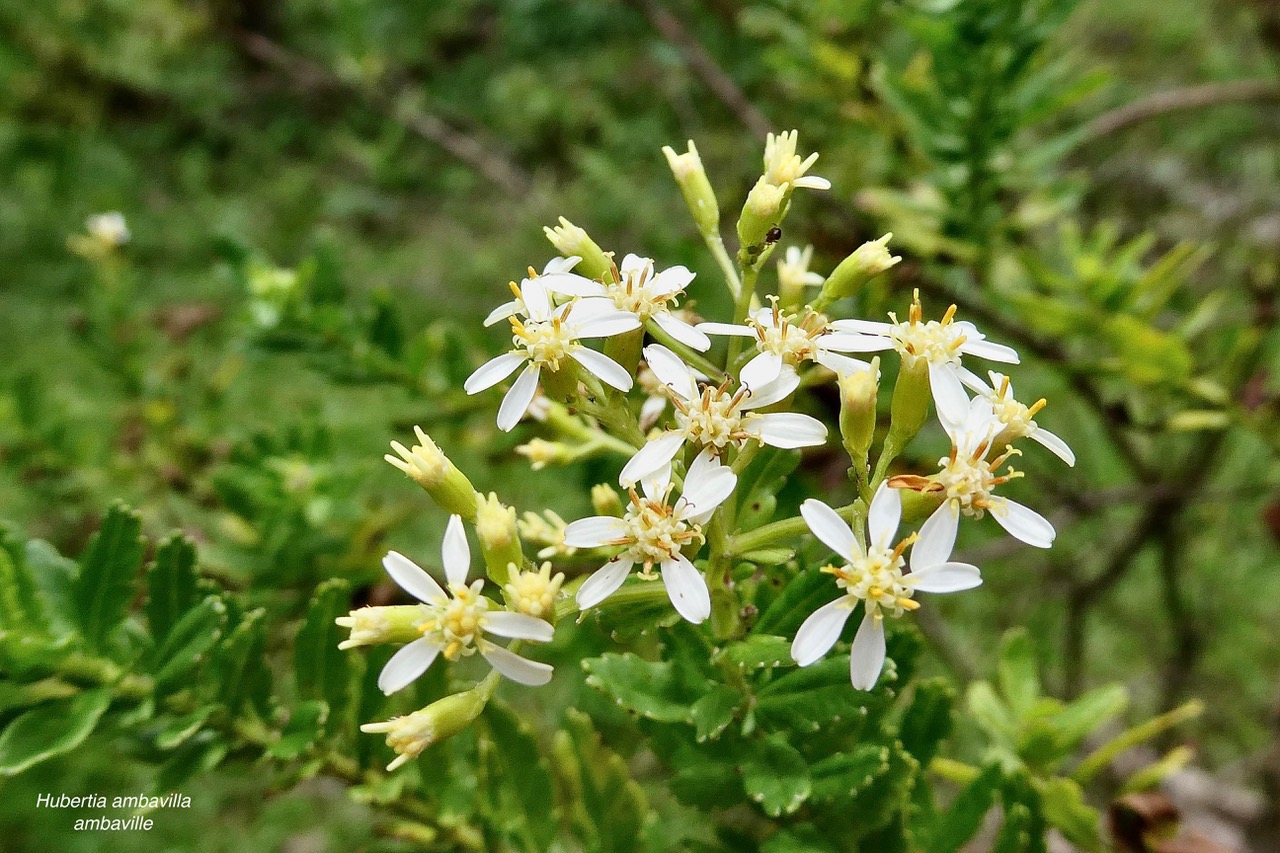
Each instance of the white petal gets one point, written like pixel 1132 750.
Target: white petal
pixel 761 370
pixel 633 263
pixel 850 342
pixel 866 658
pixel 557 265
pixel 937 538
pixel 840 364
pixel 518 398
pixel 518 669
pixel 1024 523
pixel 594 531
pixel 832 530
pixel 502 312
pixel 682 331
pixel 973 381
pixel 493 371
pixel 726 329
pixel 670 280
pixel 602 322
pixel 948 394
pixel 537 301
pixel 776 391
pixel 947 577
pixel 864 327
pixel 687 589
pixel 656 453
pixel 406 665
pixel 706 489
pixel 883 516
pixel 604 582
pixel 990 350
pixel 518 626
pixel 455 553
pixel 570 284
pixel 820 631
pixel 811 182
pixel 786 430
pixel 604 367
pixel 671 371
pixel 650 410
pixel 412 579
pixel 1055 444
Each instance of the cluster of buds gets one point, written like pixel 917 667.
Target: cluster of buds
pixel 682 419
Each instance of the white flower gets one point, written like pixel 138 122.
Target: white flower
pixel 641 291
pixel 967 479
pixel 874 577
pixel 545 338
pixel 783 166
pixel 793 270
pixel 940 343
pixel 717 419
pixel 455 624
pixel 1016 418
pixel 783 339
pixel 109 228
pixel 652 532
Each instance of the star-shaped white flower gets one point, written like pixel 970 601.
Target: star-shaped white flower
pixel 874 577
pixel 642 291
pixel 716 419
pixel 652 532
pixel 783 166
pixel 454 624
pixel 545 338
pixel 940 343
pixel 1016 418
pixel 788 339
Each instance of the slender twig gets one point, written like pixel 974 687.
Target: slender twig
pixel 1181 100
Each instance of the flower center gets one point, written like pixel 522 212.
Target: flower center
pixel 1018 419
pixel 877 580
pixel 634 293
pixel 970 480
pixel 713 420
pixel 545 341
pixel 457 623
pixel 655 533
pixel 793 341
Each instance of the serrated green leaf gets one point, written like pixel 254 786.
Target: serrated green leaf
pixel 108 571
pixel 1065 808
pixel 186 644
pixel 609 806
pixel 713 712
pixel 758 651
pixel 240 665
pixel 515 780
pixel 926 722
pixel 776 776
pixel 839 777
pixel 171 585
pixel 179 730
pixel 807 698
pixel 200 754
pixel 1017 672
pixel 50 729
pixel 961 822
pixel 55 579
pixel 306 722
pixel 652 689
pixel 20 608
pixel 1077 720
pixel 805 593
pixel 992 714
pixel 320 666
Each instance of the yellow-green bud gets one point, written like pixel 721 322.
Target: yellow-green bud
pixel 426 464
pixel 917 506
pixel 695 187
pixel 542 453
pixel 765 208
pixel 499 539
pixel 371 626
pixel 570 240
pixel 606 500
pixel 909 408
pixel 858 391
pixel 535 593
pixel 411 734
pixel 867 261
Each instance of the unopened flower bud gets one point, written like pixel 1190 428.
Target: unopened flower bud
pixel 909 408
pixel 499 538
pixel 411 734
pixel 546 529
pixel 765 208
pixel 867 261
pixel 695 187
pixel 371 626
pixel 570 240
pixel 606 500
pixel 535 593
pixel 427 465
pixel 858 391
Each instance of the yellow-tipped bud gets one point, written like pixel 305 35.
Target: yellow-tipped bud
pixel 606 500
pixel 371 626
pixel 411 734
pixel 867 261
pixel 695 188
pixel 499 538
pixel 570 240
pixel 535 593
pixel 426 464
pixel 858 392
pixel 765 208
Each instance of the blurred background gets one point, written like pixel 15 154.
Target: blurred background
pixel 323 199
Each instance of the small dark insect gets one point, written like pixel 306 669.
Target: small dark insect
pixel 774 235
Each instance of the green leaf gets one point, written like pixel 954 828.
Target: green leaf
pixel 180 729
pixel 1077 720
pixel 758 651
pixel 320 666
pixel 609 807
pixel 1017 672
pixel 926 722
pixel 1065 808
pixel 652 689
pixel 303 729
pixel 807 698
pixel 805 593
pixel 20 608
pixel 713 713
pixel 108 570
pixel 841 776
pixel 515 780
pixel 185 646
pixel 171 585
pixel 50 730
pixel 55 578
pixel 961 822
pixel 198 755
pixel 240 665
pixel 776 776
pixel 992 714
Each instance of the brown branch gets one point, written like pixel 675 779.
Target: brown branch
pixel 310 76
pixel 704 65
pixel 1180 100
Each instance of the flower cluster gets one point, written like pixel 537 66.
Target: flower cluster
pixel 610 364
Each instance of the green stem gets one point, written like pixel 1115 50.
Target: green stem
pixel 721 254
pixel 740 308
pixel 767 534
